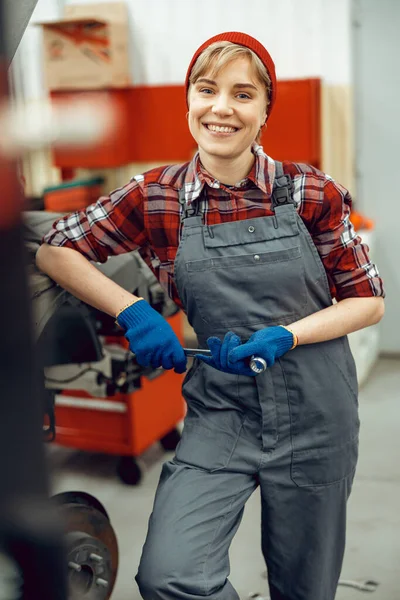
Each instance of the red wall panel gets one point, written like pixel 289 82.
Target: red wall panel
pixel 152 127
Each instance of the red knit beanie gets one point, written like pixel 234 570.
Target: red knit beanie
pixel 243 40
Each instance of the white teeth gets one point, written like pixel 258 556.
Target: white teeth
pixel 219 129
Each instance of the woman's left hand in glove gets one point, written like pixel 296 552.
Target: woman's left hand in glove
pixel 221 350
pixel 269 343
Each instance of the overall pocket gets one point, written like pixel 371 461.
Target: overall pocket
pixel 322 392
pixel 248 288
pixel 209 444
pixel 213 421
pixel 326 466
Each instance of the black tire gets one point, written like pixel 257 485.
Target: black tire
pixel 170 440
pixel 129 471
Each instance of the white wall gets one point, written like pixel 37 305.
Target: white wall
pixel 377 126
pixel 306 38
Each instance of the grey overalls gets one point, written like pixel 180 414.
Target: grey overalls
pixel 292 430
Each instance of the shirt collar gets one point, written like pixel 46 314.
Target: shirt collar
pixel 262 175
pixel 263 171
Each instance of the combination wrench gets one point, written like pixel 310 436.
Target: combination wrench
pixel 363 585
pixel 257 364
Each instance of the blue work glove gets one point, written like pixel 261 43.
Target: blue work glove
pixel 220 353
pixel 151 338
pixel 269 343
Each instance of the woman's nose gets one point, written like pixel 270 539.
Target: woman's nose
pixel 221 105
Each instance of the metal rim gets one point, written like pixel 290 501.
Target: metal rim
pixel 80 498
pixel 86 519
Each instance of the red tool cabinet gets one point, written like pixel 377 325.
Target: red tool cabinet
pixel 124 424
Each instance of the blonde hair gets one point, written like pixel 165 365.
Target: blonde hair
pixel 219 54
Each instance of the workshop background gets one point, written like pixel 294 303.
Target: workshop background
pixel 336 63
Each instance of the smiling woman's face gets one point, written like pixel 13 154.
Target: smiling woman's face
pixel 227 109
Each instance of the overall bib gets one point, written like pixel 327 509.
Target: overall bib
pixel 292 430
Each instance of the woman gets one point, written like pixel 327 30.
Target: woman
pixel 263 249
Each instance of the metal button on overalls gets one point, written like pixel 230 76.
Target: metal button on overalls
pixel 291 430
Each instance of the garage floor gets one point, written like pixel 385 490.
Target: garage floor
pixel 373 546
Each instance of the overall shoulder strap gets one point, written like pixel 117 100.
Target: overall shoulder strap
pixel 282 192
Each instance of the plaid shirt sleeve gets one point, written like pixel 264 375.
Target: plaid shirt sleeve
pixel 345 257
pixel 113 225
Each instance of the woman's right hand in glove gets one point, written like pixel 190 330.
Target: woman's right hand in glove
pixel 151 338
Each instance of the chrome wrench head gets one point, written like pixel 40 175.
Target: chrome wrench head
pixel 257 364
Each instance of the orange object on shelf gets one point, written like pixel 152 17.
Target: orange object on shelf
pixel 361 222
pixel 152 127
pixel 124 424
pixel 72 195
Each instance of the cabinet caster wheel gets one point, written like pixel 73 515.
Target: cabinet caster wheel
pixel 170 440
pixel 128 470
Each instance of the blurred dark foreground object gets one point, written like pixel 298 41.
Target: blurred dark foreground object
pixel 37 537
pixel 30 536
pixel 32 563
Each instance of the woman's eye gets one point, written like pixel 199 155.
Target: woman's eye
pixel 244 96
pixel 206 91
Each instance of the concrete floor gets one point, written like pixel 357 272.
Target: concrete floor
pixel 373 546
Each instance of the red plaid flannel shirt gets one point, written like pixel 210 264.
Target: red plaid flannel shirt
pixel 144 215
